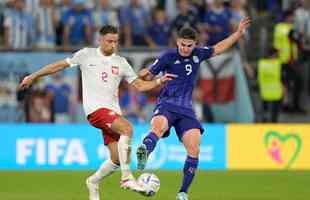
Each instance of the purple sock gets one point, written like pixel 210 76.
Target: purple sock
pixel 150 142
pixel 189 170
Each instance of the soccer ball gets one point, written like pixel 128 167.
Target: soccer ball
pixel 150 182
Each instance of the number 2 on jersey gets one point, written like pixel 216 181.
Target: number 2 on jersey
pixel 188 69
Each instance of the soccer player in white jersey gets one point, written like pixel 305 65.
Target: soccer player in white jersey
pixel 102 71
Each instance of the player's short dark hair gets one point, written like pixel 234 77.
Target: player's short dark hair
pixel 108 29
pixel 188 33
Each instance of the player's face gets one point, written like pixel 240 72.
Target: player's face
pixel 186 46
pixel 109 43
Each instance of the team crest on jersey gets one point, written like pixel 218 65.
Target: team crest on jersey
pixel 115 70
pixel 195 59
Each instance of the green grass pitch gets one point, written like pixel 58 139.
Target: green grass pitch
pixel 208 185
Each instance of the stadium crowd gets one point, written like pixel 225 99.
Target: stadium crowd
pixel 68 25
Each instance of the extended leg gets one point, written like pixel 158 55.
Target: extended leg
pixel 159 125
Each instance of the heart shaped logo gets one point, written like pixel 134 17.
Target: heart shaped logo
pixel 283 149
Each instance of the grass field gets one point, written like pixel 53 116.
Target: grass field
pixel 213 185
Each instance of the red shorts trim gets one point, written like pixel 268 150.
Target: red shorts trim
pixel 103 119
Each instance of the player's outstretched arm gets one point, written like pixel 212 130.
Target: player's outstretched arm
pixel 228 42
pixel 143 86
pixel 46 70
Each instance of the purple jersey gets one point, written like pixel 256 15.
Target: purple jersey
pixel 176 95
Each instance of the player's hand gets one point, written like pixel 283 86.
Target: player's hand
pixel 27 81
pixel 143 73
pixel 168 77
pixel 243 25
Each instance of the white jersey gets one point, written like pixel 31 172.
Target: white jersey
pixel 101 76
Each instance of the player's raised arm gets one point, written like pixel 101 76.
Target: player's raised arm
pixel 143 86
pixel 228 42
pixel 46 70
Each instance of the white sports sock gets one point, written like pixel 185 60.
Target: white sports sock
pixel 106 169
pixel 124 150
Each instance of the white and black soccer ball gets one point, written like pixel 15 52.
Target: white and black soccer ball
pixel 150 182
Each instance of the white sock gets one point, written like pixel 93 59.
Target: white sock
pixel 124 150
pixel 106 169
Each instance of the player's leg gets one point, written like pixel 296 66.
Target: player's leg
pixel 117 129
pixel 159 126
pixel 125 130
pixel 106 169
pixel 189 132
pixel 191 141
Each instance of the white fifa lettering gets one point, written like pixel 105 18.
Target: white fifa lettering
pixel 75 153
pixel 23 150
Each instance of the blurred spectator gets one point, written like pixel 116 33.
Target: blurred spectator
pixel 238 12
pixel 1 27
pixel 116 4
pixel 273 6
pixel 302 26
pixel 159 31
pixel 46 22
pixel 104 15
pixel 132 104
pixel 18 24
pixel 287 45
pixel 287 4
pixel 78 25
pixel 149 5
pixel 270 85
pixel 201 7
pixel 171 8
pixel 60 92
pixel 32 6
pixel 63 7
pixel 218 22
pixel 302 21
pixel 38 107
pixel 187 17
pixel 134 20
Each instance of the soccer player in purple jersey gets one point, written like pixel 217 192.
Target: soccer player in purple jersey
pixel 174 104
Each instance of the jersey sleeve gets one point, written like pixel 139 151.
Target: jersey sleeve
pixel 206 52
pixel 158 65
pixel 76 58
pixel 129 74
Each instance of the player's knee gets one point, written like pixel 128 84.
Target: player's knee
pixel 128 130
pixel 159 130
pixel 193 150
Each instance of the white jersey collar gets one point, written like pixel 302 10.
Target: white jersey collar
pixel 104 56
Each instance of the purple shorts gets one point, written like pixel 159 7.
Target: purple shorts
pixel 180 122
